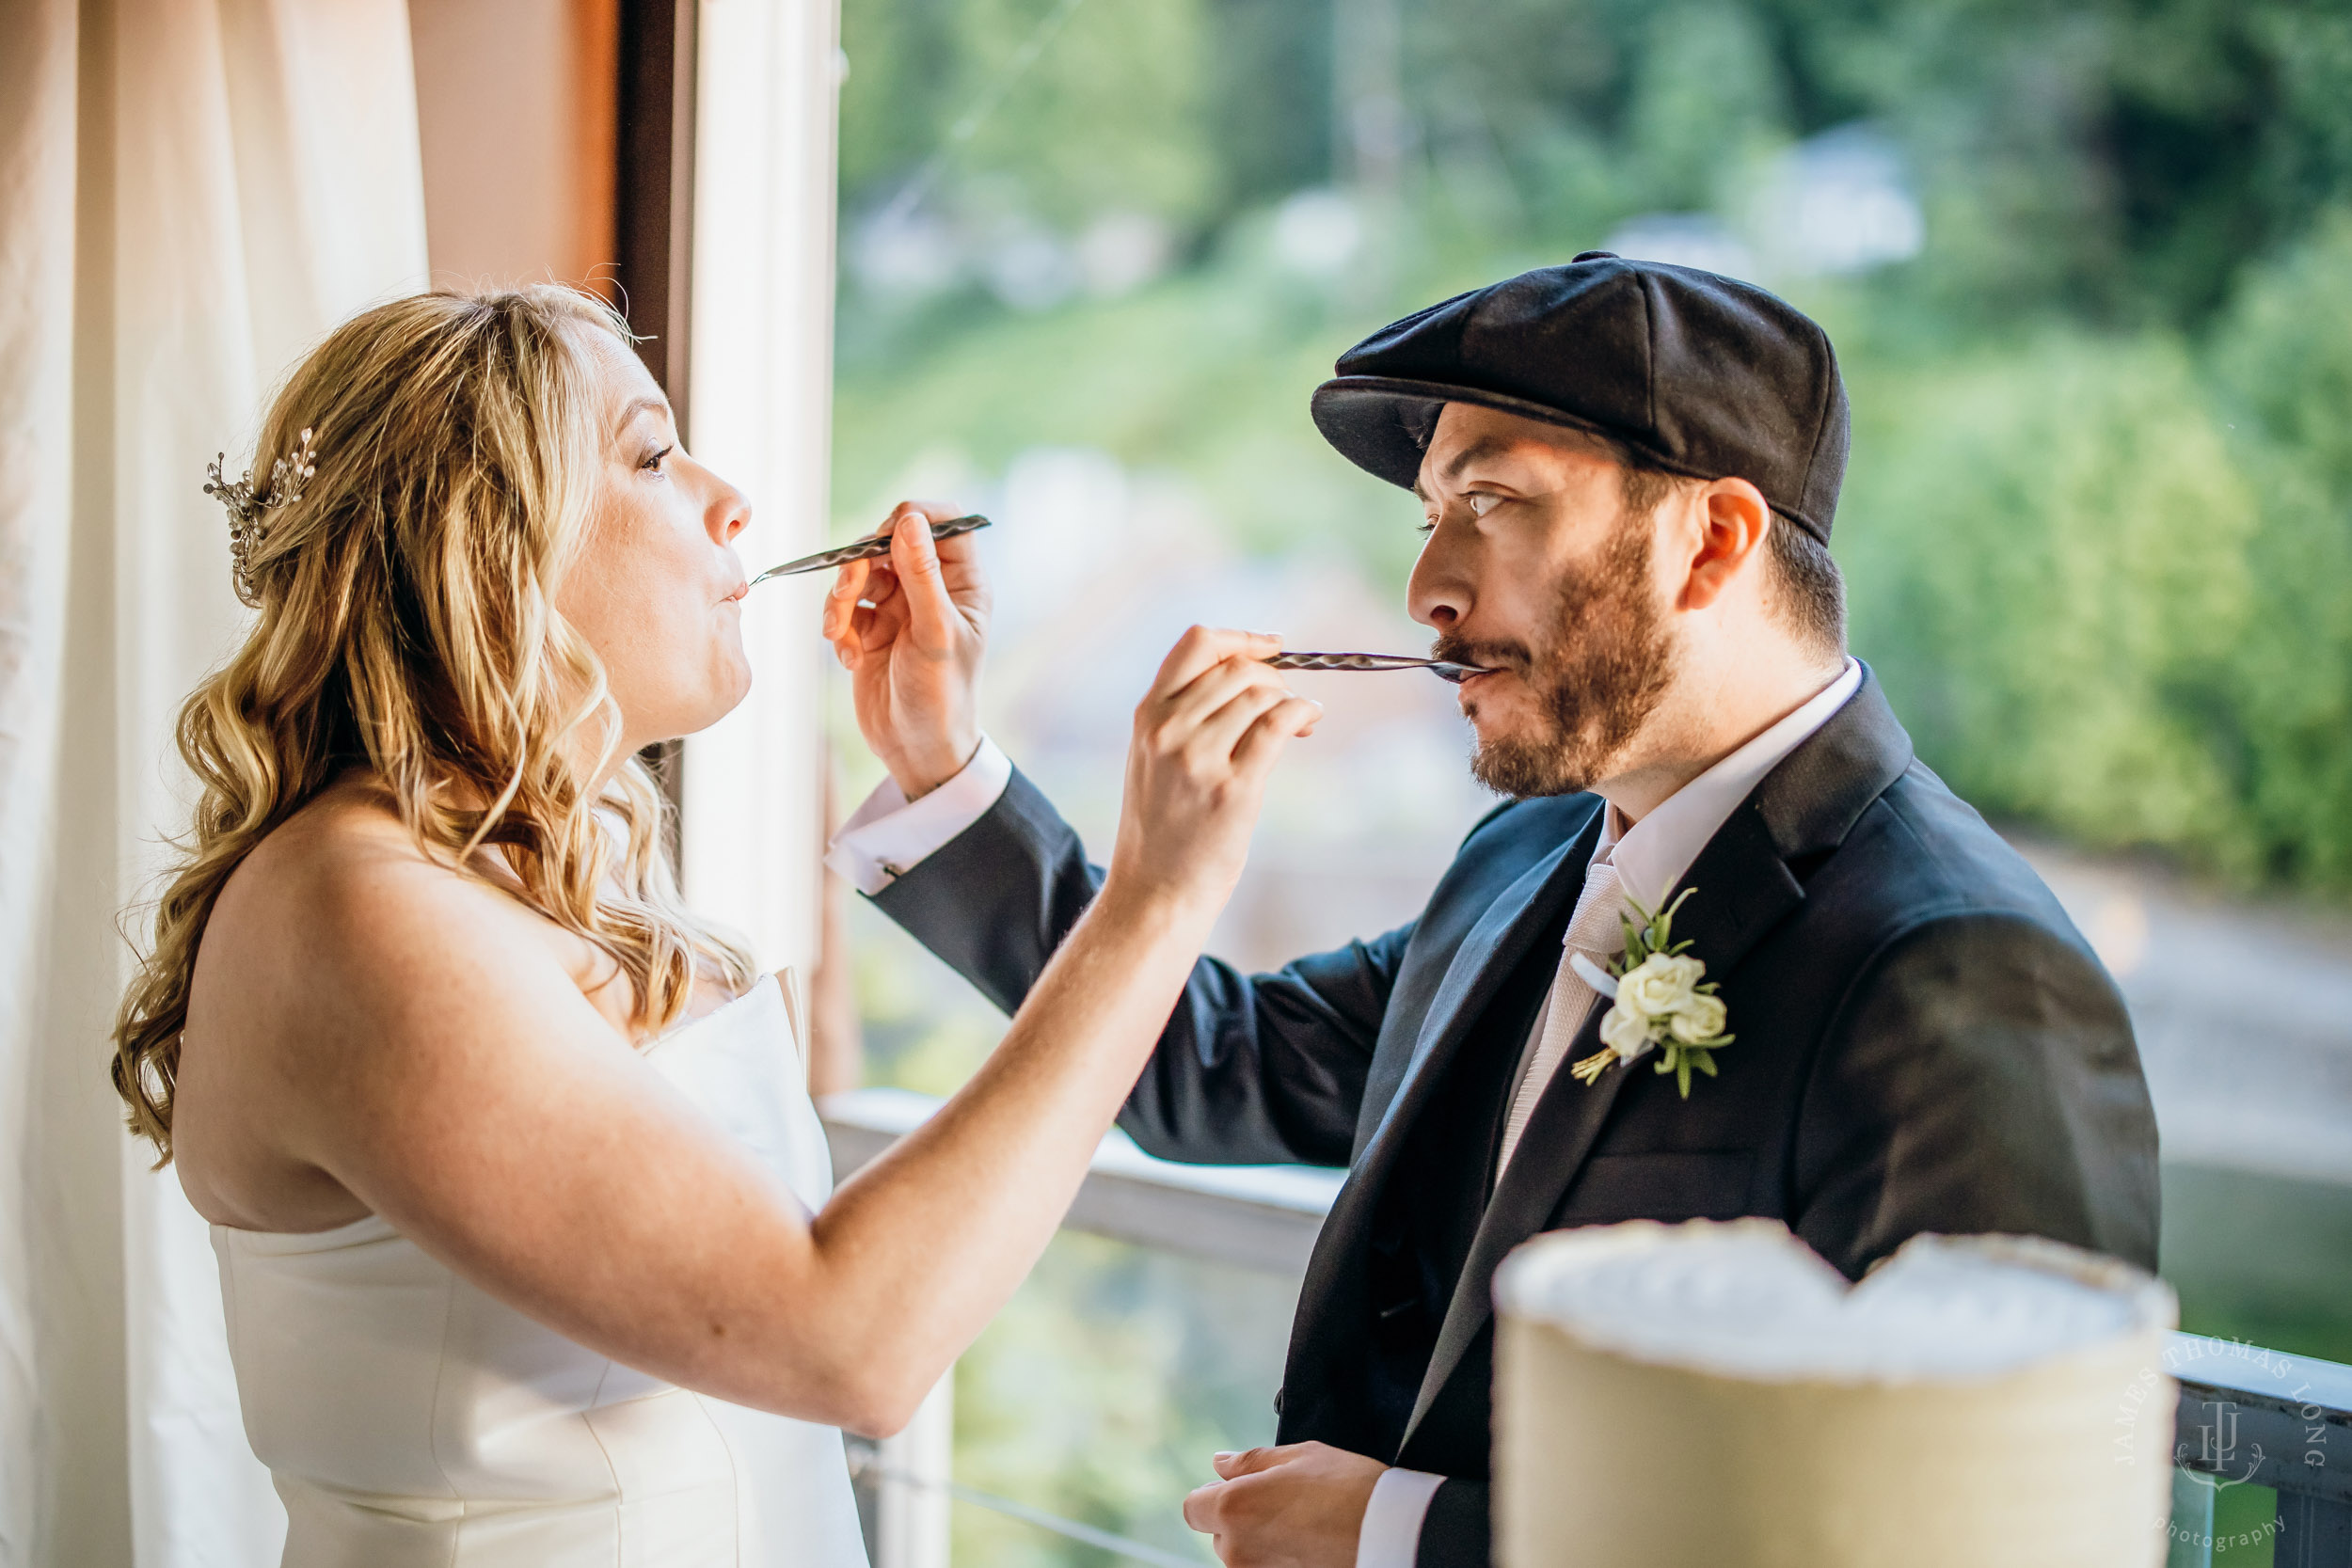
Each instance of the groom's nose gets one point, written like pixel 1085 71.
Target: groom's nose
pixel 1442 588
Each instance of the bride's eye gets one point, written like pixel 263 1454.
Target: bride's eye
pixel 653 462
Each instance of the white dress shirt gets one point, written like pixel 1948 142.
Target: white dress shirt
pixel 887 835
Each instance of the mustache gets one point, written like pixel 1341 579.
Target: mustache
pixel 1457 649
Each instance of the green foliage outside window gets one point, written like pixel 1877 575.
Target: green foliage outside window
pixel 2101 501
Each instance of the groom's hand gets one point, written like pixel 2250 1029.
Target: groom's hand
pixel 911 629
pixel 1298 1506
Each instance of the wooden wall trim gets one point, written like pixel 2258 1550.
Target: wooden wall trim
pixel 653 221
pixel 654 187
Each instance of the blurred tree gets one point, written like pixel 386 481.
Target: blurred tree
pixel 2101 517
pixel 2048 556
pixel 896 106
pixel 1707 105
pixel 1111 114
pixel 2120 159
pixel 1270 89
pixel 2283 357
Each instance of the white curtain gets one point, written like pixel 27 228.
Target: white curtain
pixel 191 192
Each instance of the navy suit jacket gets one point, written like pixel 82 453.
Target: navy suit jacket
pixel 1925 1043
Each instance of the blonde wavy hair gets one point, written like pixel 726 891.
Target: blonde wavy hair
pixel 408 627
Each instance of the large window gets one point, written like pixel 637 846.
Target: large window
pixel 2089 270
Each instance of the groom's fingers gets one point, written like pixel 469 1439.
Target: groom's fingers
pixel 853 581
pixel 1204 1506
pixel 915 558
pixel 1223 1508
pixel 1250 1460
pixel 1200 1508
pixel 929 511
pixel 873 601
pixel 885 624
pixel 849 586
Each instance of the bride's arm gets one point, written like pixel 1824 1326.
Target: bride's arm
pixel 440 1063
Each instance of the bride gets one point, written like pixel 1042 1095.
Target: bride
pixel 523 1217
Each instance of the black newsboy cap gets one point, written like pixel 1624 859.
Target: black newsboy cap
pixel 1697 375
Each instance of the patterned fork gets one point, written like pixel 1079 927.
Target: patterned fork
pixel 868 549
pixel 1444 670
pixel 864 549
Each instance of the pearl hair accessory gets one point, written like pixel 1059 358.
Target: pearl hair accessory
pixel 287 476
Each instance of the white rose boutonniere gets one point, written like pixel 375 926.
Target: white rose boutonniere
pixel 1699 1019
pixel 1663 1001
pixel 1660 986
pixel 1625 1032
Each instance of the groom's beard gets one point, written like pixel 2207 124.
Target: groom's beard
pixel 1596 679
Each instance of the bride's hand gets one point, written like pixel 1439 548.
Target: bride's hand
pixel 1206 735
pixel 911 629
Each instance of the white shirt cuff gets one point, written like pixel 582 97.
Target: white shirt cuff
pixel 888 836
pixel 1391 1534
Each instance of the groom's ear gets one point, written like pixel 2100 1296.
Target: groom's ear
pixel 1725 524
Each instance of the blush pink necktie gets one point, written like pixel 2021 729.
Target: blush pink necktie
pixel 1596 930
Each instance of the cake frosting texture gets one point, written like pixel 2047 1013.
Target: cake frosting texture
pixel 1716 1394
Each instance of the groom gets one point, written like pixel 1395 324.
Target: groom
pixel 1628 472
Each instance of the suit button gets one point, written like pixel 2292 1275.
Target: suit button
pixel 1277 1402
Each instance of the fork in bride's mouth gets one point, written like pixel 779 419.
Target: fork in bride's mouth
pixel 864 549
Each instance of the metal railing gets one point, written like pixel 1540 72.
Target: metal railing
pixel 2246 1415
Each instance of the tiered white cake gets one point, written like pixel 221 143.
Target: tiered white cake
pixel 1715 1396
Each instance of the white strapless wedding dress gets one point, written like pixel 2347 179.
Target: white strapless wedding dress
pixel 410 1419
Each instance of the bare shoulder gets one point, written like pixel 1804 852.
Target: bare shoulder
pixel 339 957
pixel 341 898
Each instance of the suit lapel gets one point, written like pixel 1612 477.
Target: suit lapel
pixel 1540 899
pixel 1561 1131
pixel 1481 963
pixel 1742 891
